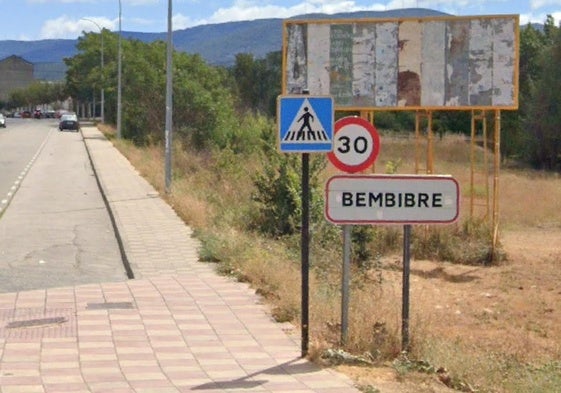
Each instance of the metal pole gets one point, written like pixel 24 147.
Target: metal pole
pixel 345 287
pixel 405 288
pixel 472 168
pixel 305 251
pixel 305 248
pixel 169 100
pixel 102 79
pixel 497 166
pixel 119 77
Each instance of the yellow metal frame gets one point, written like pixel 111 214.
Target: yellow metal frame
pixel 478 115
pixel 482 118
pixel 491 199
pixel 429 158
pixel 369 116
pixel 497 164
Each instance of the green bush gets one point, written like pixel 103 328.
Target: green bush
pixel 279 193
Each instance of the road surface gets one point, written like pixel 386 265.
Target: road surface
pixel 54 226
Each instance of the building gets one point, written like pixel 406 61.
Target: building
pixel 15 73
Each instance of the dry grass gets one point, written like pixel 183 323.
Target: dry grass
pixel 530 199
pixel 494 328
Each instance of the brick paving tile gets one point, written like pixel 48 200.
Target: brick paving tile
pixel 173 358
pixel 110 387
pixel 143 382
pixel 66 388
pixel 100 364
pixel 138 348
pixel 99 377
pixel 6 380
pixel 134 357
pixel 23 388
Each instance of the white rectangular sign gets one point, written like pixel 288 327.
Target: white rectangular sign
pixel 391 199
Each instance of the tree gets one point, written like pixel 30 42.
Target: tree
pixel 143 81
pixel 544 117
pixel 80 76
pixel 38 93
pixel 258 81
pixel 515 139
pixel 204 111
pixel 203 102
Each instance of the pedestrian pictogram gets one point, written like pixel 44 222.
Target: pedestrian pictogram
pixel 306 124
pixel 302 130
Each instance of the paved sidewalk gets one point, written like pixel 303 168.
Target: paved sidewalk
pixel 176 327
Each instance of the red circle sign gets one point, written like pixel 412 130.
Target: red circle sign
pixel 356 144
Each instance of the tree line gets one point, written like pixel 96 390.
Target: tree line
pixel 212 104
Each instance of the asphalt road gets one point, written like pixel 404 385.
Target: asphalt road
pixel 55 230
pixel 20 141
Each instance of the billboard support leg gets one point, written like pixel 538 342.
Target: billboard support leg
pixel 496 169
pixel 429 159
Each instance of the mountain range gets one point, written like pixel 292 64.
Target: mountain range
pixel 217 43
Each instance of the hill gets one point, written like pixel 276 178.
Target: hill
pixel 217 43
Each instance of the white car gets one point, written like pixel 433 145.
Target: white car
pixel 69 121
pixel 2 121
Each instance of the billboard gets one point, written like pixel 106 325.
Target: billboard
pixel 438 63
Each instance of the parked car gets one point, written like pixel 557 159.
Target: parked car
pixel 2 121
pixel 26 115
pixel 69 121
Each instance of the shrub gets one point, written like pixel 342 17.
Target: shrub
pixel 469 243
pixel 278 193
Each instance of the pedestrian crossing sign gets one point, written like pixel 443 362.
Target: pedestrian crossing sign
pixel 305 124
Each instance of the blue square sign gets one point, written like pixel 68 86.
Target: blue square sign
pixel 305 124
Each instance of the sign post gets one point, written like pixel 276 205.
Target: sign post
pixel 405 287
pixel 393 199
pixel 357 145
pixel 305 126
pixel 345 282
pixel 305 254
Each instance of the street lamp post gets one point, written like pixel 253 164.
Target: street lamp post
pixel 102 73
pixel 119 71
pixel 169 102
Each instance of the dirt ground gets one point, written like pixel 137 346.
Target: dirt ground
pixel 514 307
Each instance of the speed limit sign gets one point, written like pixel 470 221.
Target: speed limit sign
pixel 356 144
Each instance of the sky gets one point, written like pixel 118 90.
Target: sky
pixel 46 19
